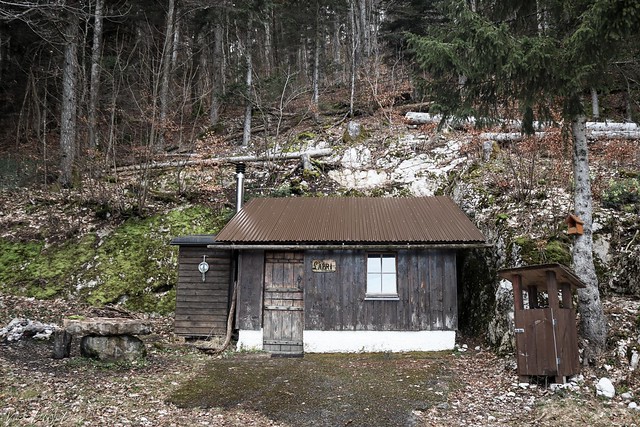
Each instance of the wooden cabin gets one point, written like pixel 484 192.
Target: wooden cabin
pixel 346 274
pixel 202 298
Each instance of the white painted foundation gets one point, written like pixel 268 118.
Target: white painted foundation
pixel 361 341
pixel 376 341
pixel 249 340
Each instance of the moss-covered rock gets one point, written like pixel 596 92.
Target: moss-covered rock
pixel 543 251
pixel 133 264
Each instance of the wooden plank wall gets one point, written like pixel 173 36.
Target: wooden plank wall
pixel 535 346
pixel 427 291
pixel 202 307
pixel 567 342
pixel 250 285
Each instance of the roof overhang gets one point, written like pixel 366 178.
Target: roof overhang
pixel 351 246
pixel 536 275
pixel 194 240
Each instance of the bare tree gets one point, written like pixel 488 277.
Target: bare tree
pixel 246 134
pixel 166 60
pixel 218 72
pixel 69 101
pixel 94 90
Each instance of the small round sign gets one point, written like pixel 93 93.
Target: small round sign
pixel 203 267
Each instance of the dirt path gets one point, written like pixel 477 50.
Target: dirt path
pixel 178 386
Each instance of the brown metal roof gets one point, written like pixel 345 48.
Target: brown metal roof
pixel 350 220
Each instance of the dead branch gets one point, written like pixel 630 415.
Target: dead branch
pixel 219 160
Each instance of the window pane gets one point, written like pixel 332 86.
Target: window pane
pixel 388 264
pixel 388 283
pixel 374 283
pixel 373 264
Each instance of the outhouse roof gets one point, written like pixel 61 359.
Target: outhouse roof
pixel 348 220
pixel 536 275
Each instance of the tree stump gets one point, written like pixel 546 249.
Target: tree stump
pixel 61 344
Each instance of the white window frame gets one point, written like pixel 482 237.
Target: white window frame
pixel 382 276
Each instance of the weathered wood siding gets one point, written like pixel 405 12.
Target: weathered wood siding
pixel 426 282
pixel 251 284
pixel 202 307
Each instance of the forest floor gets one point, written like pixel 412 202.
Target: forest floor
pixel 177 385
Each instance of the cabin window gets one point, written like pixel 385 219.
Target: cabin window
pixel 381 276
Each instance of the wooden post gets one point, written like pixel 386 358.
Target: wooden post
pixel 517 314
pixel 517 292
pixel 566 295
pixel 533 296
pixel 552 290
pixel 554 305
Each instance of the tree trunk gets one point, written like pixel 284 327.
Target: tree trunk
pixel 246 135
pixel 627 98
pixel 3 40
pixel 363 21
pixel 337 50
pixel 595 105
pixel 95 75
pixel 316 68
pixel 69 101
pixel 593 325
pixel 218 71
pixel 167 54
pixel 268 48
pixel 354 51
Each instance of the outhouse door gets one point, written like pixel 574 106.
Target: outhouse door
pixel 283 320
pixel 536 342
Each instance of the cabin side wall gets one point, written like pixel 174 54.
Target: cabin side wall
pixel 202 307
pixel 427 292
pixel 250 287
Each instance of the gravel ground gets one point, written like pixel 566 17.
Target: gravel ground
pixel 482 389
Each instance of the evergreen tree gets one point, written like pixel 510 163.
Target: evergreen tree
pixel 537 57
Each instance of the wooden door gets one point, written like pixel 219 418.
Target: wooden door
pixel 283 320
pixel 536 342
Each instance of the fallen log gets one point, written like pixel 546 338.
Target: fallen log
pixel 611 126
pixel 505 136
pixel 591 135
pixel 613 134
pixel 323 152
pixel 418 118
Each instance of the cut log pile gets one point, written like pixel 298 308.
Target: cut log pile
pixel 595 130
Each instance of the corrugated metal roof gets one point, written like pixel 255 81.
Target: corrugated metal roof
pixel 351 220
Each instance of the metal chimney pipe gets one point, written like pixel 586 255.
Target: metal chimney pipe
pixel 240 168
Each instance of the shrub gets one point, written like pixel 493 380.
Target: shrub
pixel 620 193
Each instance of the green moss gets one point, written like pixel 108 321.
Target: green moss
pixel 137 266
pixel 342 388
pixel 30 269
pixel 306 136
pixel 134 264
pixel 554 250
pixel 623 194
pixel 476 291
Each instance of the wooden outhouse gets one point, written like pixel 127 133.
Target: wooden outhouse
pixel 545 321
pixel 202 293
pixel 347 274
